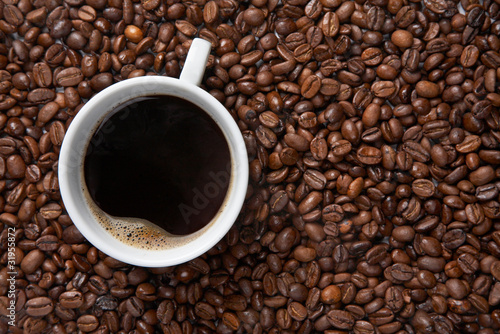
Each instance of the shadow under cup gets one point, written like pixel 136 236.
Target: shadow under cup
pixel 132 240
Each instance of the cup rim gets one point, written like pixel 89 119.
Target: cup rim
pixel 72 198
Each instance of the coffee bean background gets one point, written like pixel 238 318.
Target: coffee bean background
pixel 373 133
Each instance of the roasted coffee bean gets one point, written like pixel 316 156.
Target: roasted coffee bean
pixel 69 77
pixel 42 75
pixel 469 56
pixel 205 311
pixel 402 38
pixel 469 144
pixel 341 147
pixel 235 303
pixel 491 59
pixel 135 306
pixel 454 239
pixel 47 243
pixel 369 155
pixel 165 311
pixel 468 263
pixel 297 311
pixel 416 151
pixel 71 299
pixel 340 319
pixel 383 89
pixel 486 192
pixel 56 53
pixel 57 132
pixel 101 81
pixel 436 129
pixel 13 15
pixel 401 272
pixel 87 323
pixel 41 95
pixel 278 201
pixel 39 306
pixel 310 87
pixel 330 24
pixel 423 187
pixel 297 142
pixel 315 179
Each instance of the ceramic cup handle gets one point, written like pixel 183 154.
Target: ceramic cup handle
pixel 196 61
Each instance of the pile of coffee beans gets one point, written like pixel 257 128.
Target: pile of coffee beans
pixel 373 133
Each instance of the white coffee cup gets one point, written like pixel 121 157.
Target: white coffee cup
pixel 98 227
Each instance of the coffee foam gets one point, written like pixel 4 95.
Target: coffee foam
pixel 141 233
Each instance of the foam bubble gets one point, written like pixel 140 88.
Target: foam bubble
pixel 138 233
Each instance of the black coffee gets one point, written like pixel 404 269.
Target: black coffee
pixel 159 158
